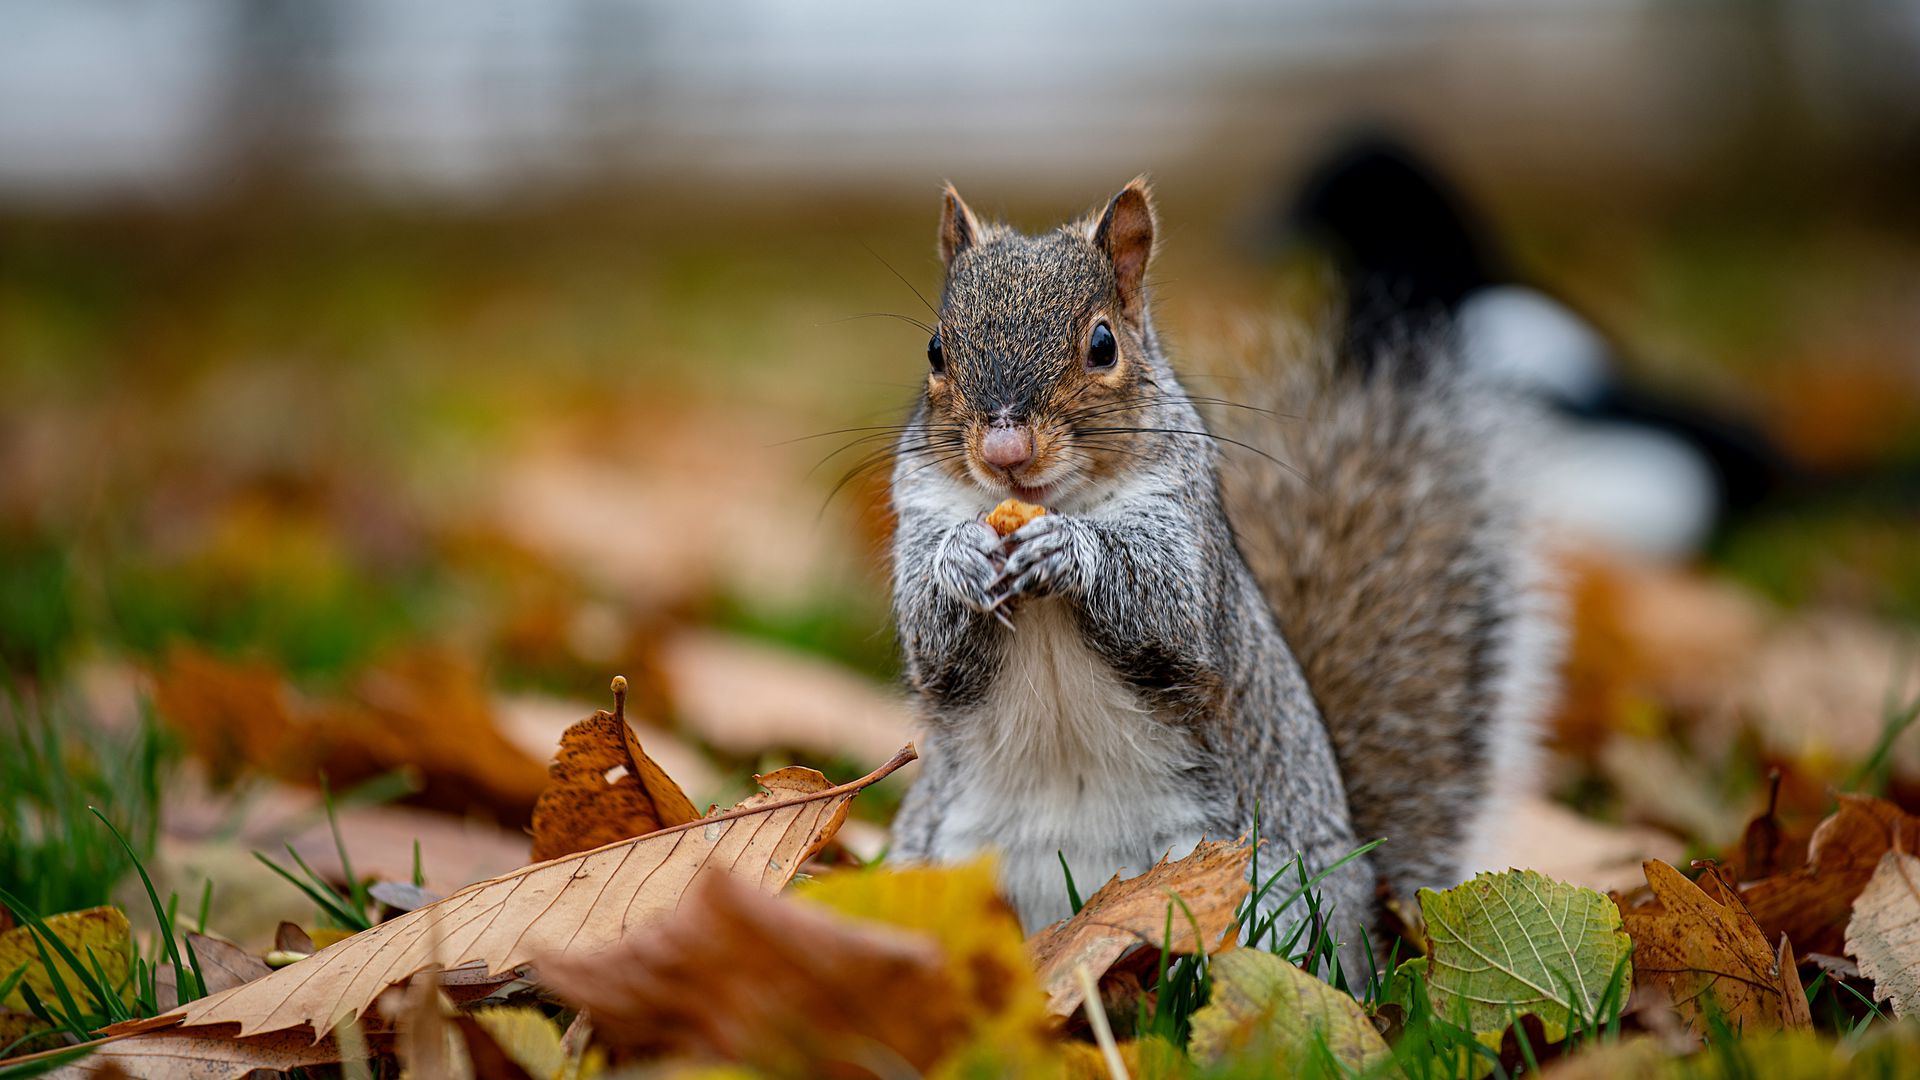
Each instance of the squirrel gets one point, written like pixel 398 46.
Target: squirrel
pixel 1348 648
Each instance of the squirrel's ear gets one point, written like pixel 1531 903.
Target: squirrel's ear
pixel 1125 233
pixel 959 229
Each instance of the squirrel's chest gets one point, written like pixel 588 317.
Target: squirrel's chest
pixel 1063 758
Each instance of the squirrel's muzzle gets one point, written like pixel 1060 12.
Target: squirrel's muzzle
pixel 1007 446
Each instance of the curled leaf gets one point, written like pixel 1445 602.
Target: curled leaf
pixel 1210 883
pixel 604 788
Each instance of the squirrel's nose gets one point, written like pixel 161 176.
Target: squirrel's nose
pixel 1007 447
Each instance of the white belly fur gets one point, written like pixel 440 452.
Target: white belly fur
pixel 1066 758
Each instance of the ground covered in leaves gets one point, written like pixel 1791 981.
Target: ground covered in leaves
pixel 320 539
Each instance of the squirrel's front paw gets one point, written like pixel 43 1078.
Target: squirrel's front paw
pixel 967 562
pixel 1051 555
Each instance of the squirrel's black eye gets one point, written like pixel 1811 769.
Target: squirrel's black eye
pixel 1101 350
pixel 936 356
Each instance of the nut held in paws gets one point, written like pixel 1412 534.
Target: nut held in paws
pixel 1011 514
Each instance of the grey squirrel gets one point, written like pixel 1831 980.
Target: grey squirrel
pixel 1351 652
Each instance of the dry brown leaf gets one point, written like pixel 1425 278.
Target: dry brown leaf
pixel 427 712
pixel 223 965
pixel 1884 933
pixel 1811 905
pixel 585 805
pixel 232 716
pixel 1133 911
pixel 202 1055
pixel 1765 848
pixel 290 938
pixel 787 988
pixel 1703 951
pixel 1644 632
pixel 584 902
pixel 424 712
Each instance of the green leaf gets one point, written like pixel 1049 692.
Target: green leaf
pixel 1503 945
pixel 1264 1005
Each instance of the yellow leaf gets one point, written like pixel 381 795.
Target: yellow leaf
pixel 103 930
pixel 532 1040
pixel 323 936
pixel 984 955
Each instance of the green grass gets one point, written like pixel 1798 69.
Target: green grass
pixel 94 1000
pixel 37 624
pixel 57 762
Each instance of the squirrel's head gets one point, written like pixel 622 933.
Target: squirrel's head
pixel 1044 347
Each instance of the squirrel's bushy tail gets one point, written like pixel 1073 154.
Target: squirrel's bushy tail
pixel 1396 562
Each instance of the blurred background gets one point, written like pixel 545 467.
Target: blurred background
pixel 378 378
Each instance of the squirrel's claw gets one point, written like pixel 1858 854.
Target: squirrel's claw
pixel 966 564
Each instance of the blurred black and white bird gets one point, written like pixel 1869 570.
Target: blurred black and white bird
pixel 1617 461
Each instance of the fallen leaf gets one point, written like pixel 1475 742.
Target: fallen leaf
pixel 535 1043
pixel 1884 933
pixel 1811 905
pixel 986 958
pixel 328 936
pixel 486 1058
pixel 101 931
pixel 1816 693
pixel 204 1055
pixel 424 712
pixel 1643 634
pixel 586 804
pixel 1764 847
pixel 223 965
pixel 1508 944
pixel 1712 955
pixel 1264 1008
pixel 403 895
pixel 233 716
pixel 1211 882
pixel 535 723
pixel 1145 1058
pixel 785 988
pixel 290 938
pixel 581 903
